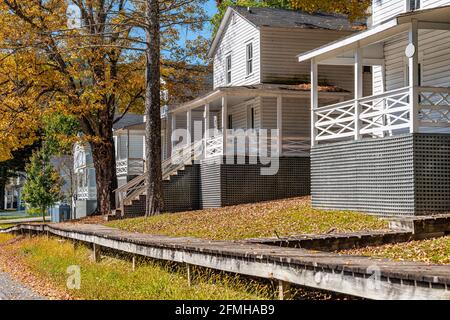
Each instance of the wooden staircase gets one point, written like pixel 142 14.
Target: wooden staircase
pixel 131 197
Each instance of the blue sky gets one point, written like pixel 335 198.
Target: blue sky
pixel 211 9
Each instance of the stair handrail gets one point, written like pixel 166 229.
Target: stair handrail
pixel 136 186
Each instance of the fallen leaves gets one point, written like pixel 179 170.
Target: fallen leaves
pixel 428 251
pixel 266 219
pixel 14 265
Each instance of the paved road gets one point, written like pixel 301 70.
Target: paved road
pixel 13 290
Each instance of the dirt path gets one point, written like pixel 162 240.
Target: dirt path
pixel 13 290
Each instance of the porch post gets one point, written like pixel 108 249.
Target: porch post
pixel 206 135
pixel 189 125
pixel 358 90
pixel 173 128
pixel 314 100
pixel 224 123
pixel 280 124
pixel 413 54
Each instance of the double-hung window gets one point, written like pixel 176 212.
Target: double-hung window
pixel 249 58
pixel 412 5
pixel 228 68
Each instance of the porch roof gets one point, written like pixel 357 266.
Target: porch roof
pixel 260 90
pixel 434 18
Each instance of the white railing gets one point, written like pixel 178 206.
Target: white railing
pixel 214 145
pixel 434 107
pixel 384 114
pixel 296 146
pixel 86 193
pixel 130 166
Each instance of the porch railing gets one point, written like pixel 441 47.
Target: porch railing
pixel 384 114
pixel 86 193
pixel 130 166
pixel 181 156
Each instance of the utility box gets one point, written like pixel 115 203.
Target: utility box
pixel 60 213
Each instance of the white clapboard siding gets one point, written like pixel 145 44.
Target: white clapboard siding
pixel 240 114
pixel 295 115
pixel 386 9
pixel 434 54
pixel 234 40
pixel 280 46
pixel 137 145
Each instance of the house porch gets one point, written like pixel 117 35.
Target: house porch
pixel 387 153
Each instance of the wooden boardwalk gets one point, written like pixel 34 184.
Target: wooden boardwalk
pixel 358 276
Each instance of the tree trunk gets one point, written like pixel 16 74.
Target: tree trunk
pixel 43 214
pixel 105 174
pixel 2 194
pixel 155 200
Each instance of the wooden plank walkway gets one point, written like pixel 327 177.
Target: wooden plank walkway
pixel 358 276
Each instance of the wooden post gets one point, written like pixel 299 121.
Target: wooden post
pixel 133 263
pixel 96 254
pixel 189 126
pixel 413 63
pixel 188 269
pixel 284 290
pixel 206 135
pixel 173 128
pixel 358 90
pixel 224 123
pixel 280 124
pixel 314 100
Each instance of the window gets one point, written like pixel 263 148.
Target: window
pixel 412 5
pixel 249 53
pixel 367 69
pixel 228 68
pixel 252 118
pixel 230 121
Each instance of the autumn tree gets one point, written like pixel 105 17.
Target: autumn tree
pixel 88 67
pixel 354 9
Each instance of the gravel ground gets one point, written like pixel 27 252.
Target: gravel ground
pixel 12 290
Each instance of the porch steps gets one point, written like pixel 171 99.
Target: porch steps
pixel 136 207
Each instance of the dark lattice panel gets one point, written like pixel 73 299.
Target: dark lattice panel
pixel 404 175
pixel 244 183
pixel 374 176
pixel 181 192
pixel 432 166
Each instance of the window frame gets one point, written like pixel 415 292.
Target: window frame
pixel 228 68
pixel 417 5
pixel 249 57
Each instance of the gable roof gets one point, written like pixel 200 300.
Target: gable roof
pixel 284 18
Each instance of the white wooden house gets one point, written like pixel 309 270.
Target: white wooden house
pixel 387 153
pixel 258 84
pixel 128 134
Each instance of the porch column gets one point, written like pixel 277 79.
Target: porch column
pixel 358 90
pixel 314 100
pixel 280 124
pixel 412 51
pixel 173 128
pixel 224 123
pixel 189 125
pixel 206 135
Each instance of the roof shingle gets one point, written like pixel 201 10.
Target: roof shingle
pixel 284 18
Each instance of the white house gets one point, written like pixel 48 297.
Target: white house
pixel 258 85
pixel 387 153
pixel 128 134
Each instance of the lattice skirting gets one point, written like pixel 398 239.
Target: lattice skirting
pixel 402 175
pixel 231 184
